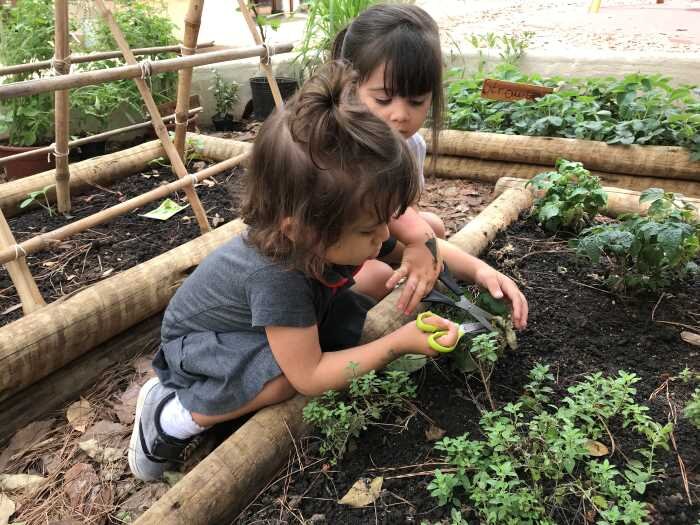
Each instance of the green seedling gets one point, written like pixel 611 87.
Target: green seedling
pixel 692 409
pixel 38 196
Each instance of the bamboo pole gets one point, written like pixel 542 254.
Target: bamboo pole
pixel 44 341
pixel 103 171
pixel 161 131
pixel 62 107
pixel 88 78
pixel 96 137
pixel 193 20
pixel 221 485
pixel 264 60
pixel 94 57
pixel 46 240
pixel 492 170
pixel 620 200
pixel 18 269
pixel 652 161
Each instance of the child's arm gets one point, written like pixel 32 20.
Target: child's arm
pixel 312 372
pixel 420 263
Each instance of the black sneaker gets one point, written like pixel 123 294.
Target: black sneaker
pixel 152 451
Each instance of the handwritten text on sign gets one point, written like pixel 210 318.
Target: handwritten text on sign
pixel 502 90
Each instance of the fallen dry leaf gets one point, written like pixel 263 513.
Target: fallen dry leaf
pixel 125 408
pixel 7 509
pixel 433 433
pixel 144 366
pixel 80 484
pixel 143 500
pixel 596 448
pixel 107 433
pixel 362 494
pixel 101 454
pixel 691 338
pixel 11 482
pixel 79 414
pixel 24 439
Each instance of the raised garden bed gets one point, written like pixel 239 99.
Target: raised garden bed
pixel 576 327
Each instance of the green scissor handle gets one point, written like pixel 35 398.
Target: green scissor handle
pixel 436 333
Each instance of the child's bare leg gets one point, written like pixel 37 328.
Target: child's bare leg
pixel 275 391
pixel 371 279
pixel 435 223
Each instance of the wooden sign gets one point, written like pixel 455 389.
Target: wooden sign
pixel 502 90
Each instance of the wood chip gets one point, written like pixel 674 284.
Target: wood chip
pixel 691 338
pixel 363 492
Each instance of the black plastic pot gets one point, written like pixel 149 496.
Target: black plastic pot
pixel 223 122
pixel 263 103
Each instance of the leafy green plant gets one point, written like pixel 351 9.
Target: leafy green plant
pixel 572 197
pixel 325 19
pixel 340 416
pixel 540 463
pixel 636 109
pixel 36 196
pixel 692 409
pixel 646 251
pixel 225 94
pixel 510 48
pixel 193 152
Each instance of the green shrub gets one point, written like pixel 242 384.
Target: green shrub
pixel 692 409
pixel 541 463
pixel 573 197
pixel 646 251
pixel 637 109
pixel 340 416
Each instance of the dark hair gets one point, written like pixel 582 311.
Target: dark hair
pixel 322 161
pixel 407 40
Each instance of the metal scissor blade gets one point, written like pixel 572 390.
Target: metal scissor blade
pixel 468 328
pixel 480 315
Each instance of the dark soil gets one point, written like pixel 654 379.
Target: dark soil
pixel 575 326
pixel 117 245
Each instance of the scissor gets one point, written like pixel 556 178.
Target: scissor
pixel 482 316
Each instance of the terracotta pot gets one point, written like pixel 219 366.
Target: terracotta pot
pixel 16 169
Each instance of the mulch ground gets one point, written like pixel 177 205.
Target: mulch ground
pixel 575 326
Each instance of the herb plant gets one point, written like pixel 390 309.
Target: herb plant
pixel 37 196
pixel 572 197
pixel 340 416
pixel 225 94
pixel 541 463
pixel 646 251
pixel 637 109
pixel 692 409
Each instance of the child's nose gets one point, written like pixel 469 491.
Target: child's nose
pixel 399 111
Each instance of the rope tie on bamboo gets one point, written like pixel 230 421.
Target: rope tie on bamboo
pixel 146 70
pixel 266 59
pixel 55 153
pixel 190 50
pixel 194 179
pixel 18 249
pixel 60 66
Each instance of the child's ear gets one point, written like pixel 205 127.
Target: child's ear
pixel 288 227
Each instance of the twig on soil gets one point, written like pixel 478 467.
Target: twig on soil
pixel 593 288
pixel 423 473
pixel 418 465
pixel 514 261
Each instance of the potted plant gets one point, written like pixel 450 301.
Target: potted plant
pixel 226 97
pixel 263 102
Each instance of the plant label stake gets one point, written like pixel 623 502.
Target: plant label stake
pixel 501 90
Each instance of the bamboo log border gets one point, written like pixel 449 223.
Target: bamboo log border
pixel 492 170
pixel 94 57
pixel 672 162
pixel 85 78
pixel 221 485
pixel 620 200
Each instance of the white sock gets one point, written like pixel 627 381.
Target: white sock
pixel 176 421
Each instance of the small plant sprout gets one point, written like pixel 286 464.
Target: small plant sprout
pixel 692 409
pixel 38 196
pixel 225 94
pixel 485 351
pixel 341 416
pixel 646 251
pixel 572 197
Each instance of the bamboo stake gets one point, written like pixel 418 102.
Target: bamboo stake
pixel 492 170
pixel 18 269
pixel 48 339
pixel 620 200
pixel 89 78
pixel 94 57
pixel 264 61
pixel 45 240
pixel 652 161
pixel 62 108
pixel 193 20
pixel 175 161
pixel 97 137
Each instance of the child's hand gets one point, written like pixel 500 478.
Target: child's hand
pixel 414 341
pixel 500 286
pixel 420 268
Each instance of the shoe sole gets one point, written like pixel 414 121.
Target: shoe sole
pixel 134 441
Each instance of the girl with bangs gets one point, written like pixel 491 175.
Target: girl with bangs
pixel 280 308
pixel 395 49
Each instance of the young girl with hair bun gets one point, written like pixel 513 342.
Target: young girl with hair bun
pixel 258 318
pixel 395 49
